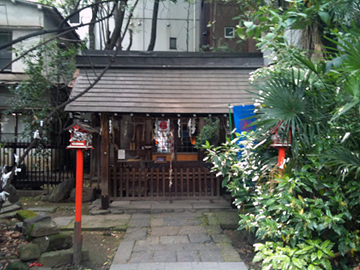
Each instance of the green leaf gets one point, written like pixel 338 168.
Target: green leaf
pixel 319 254
pixel 325 17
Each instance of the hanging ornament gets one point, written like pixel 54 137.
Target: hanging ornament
pixel 193 126
pixel 179 128
pixel 172 156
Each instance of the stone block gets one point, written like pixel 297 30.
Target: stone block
pixel 41 225
pixel 123 253
pixel 155 247
pixel 175 247
pixel 213 229
pixel 60 257
pixel 157 222
pixel 164 256
pixel 56 258
pixel 139 222
pixel 180 239
pixel 187 256
pixel 161 231
pixel 220 238
pixel 141 257
pixel 191 230
pixel 229 253
pixel 29 252
pixel 136 234
pixel 25 214
pixel 151 240
pixel 199 238
pixel 211 256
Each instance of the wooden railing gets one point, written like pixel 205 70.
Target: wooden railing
pixel 139 184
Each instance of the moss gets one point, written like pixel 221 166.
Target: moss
pixel 17 266
pixel 25 214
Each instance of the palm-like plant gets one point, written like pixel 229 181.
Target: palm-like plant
pixel 299 101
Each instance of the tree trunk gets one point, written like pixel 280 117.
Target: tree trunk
pixel 153 26
pixel 119 18
pixel 95 10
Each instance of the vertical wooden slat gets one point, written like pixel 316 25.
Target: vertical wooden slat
pixel 133 182
pixel 212 184
pixel 205 183
pixel 157 182
pixel 145 183
pixel 105 161
pixel 193 181
pixel 163 182
pixel 181 182
pixel 188 181
pixel 217 186
pixel 140 173
pixel 127 177
pixel 151 182
pixel 175 181
pixel 199 177
pixel 121 185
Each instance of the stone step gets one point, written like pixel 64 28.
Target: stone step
pixel 181 266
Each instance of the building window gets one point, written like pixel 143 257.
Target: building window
pixel 172 43
pixel 75 18
pixel 229 32
pixel 5 54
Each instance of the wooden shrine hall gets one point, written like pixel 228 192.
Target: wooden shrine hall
pixel 150 107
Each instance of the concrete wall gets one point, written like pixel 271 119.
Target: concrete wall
pixel 21 19
pixel 172 23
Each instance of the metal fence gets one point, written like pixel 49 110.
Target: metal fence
pixel 47 167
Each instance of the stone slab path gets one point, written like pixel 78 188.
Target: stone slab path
pixel 182 239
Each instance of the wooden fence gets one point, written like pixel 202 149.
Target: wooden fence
pixel 142 184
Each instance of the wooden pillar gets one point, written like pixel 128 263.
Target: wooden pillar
pixel 105 161
pixel 201 154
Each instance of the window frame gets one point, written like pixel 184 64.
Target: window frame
pixel 233 32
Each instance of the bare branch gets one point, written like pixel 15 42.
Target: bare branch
pixel 54 111
pixel 49 31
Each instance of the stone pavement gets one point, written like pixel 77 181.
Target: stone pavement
pixel 167 235
pixel 189 237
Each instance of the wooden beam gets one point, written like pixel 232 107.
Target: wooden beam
pixel 105 165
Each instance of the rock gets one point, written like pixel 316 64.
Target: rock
pixel 100 212
pixel 17 266
pixel 87 195
pixel 60 257
pixel 8 207
pixel 40 225
pixel 60 241
pixel 56 258
pixel 54 242
pixel 13 197
pixel 44 198
pixel 29 252
pixel 62 191
pixel 42 242
pixel 25 214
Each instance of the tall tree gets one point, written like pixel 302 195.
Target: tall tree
pixel 154 25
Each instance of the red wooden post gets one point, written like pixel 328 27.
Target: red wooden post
pixel 281 158
pixel 78 207
pixel 80 140
pixel 281 142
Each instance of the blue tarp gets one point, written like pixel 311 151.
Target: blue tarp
pixel 243 116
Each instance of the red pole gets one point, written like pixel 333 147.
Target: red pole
pixel 281 158
pixel 78 207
